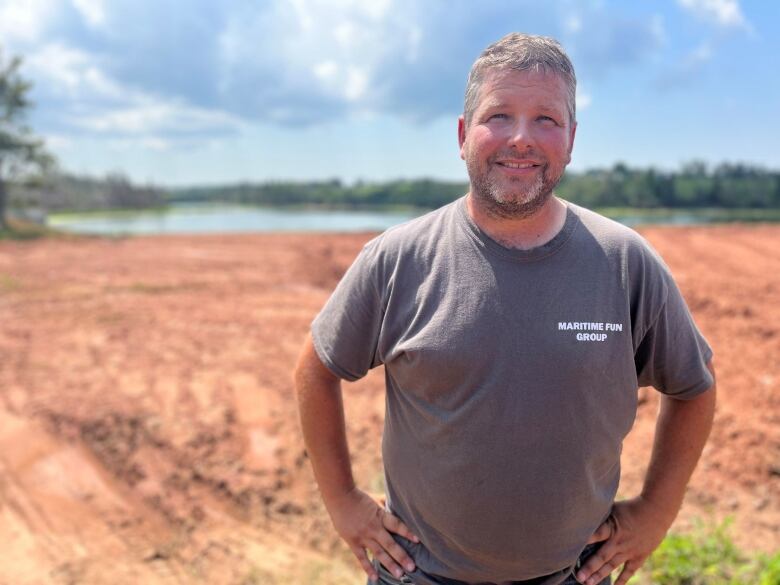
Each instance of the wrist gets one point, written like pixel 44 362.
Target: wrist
pixel 336 498
pixel 664 510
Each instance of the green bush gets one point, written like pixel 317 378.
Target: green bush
pixel 771 570
pixel 707 556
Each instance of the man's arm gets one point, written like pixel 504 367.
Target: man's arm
pixel 357 517
pixel 636 527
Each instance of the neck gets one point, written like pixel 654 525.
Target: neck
pixel 520 233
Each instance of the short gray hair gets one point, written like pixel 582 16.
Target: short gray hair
pixel 521 52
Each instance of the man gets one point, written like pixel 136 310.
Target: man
pixel 515 329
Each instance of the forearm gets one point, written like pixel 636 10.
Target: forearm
pixel 358 518
pixel 321 413
pixel 681 432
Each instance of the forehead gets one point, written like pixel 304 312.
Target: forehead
pixel 532 87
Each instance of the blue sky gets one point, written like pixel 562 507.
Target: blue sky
pixel 198 91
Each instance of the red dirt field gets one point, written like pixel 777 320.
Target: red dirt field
pixel 148 427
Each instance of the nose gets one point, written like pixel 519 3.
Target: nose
pixel 520 135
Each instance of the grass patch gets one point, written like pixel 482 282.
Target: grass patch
pixel 9 283
pixel 707 556
pixel 17 229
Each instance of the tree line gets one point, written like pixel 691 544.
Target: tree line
pixel 694 185
pixel 58 191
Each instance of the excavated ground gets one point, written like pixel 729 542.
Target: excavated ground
pixel 148 428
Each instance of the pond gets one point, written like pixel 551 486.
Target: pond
pixel 225 218
pixel 218 218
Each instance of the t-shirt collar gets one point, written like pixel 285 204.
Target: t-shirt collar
pixel 490 245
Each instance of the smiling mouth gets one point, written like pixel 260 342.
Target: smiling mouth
pixel 517 165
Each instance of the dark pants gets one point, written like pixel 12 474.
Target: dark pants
pixel 387 578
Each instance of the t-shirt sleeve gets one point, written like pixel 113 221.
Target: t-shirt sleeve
pixel 346 331
pixel 673 355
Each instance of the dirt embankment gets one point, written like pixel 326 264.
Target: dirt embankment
pixel 148 431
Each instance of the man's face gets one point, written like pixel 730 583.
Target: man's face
pixel 518 141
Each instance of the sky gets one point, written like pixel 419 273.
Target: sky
pixel 179 92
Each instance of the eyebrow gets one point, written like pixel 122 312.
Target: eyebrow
pixel 498 104
pixel 550 110
pixel 494 104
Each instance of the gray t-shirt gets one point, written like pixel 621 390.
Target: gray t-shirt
pixel 511 380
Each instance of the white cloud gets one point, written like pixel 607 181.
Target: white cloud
pixel 295 62
pixel 143 143
pixel 157 116
pixel 25 21
pixel 350 82
pixel 725 13
pixel 115 108
pixel 327 70
pixel 332 49
pixel 345 33
pixel 305 19
pixel 93 11
pixel 72 72
pixel 357 83
pixel 377 9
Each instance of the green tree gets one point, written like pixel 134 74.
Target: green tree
pixel 20 149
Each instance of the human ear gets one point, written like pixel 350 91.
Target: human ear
pixel 461 135
pixel 572 133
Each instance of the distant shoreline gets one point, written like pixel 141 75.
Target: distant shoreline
pixel 247 218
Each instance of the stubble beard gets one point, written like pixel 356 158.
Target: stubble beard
pixel 516 201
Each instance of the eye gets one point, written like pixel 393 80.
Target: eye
pixel 498 116
pixel 547 120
